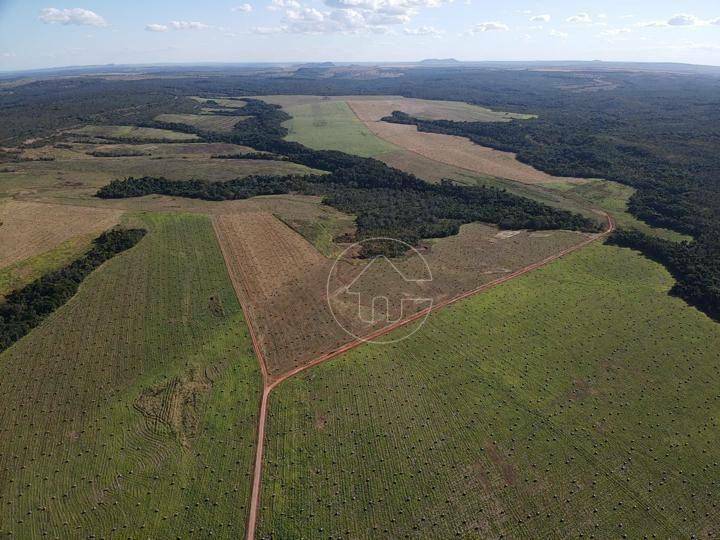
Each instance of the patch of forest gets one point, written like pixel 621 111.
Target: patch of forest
pixel 682 197
pixel 24 309
pixel 387 202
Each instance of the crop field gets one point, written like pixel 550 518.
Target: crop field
pixel 208 122
pixel 543 408
pixel 283 281
pixel 331 125
pixel 29 229
pixel 132 410
pixel 132 132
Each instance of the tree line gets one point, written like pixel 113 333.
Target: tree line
pixel 27 307
pixel 387 202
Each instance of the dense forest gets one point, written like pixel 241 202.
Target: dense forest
pixel 24 309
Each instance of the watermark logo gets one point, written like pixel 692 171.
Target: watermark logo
pixel 370 296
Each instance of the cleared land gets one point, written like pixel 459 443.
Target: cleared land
pixel 456 151
pixel 331 125
pixel 424 108
pixel 132 410
pixel 433 110
pixel 542 408
pixel 21 273
pixel 28 229
pixel 74 173
pixel 208 122
pixel 132 132
pixel 613 198
pixel 283 281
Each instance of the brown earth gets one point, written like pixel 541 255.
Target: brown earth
pixel 284 282
pixel 28 229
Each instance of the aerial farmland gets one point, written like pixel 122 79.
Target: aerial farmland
pixel 341 301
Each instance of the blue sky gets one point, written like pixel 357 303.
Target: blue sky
pixel 51 33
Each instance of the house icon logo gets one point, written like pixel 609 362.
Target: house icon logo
pixel 371 296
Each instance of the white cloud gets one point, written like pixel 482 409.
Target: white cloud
pixel 652 24
pixel 348 16
pixel 540 18
pixel 71 16
pixel 243 8
pixel 266 30
pixel 683 20
pixel 489 27
pixel 558 34
pixel 582 18
pixel 187 25
pixel 156 27
pixel 276 5
pixel 614 32
pixel 423 31
pixel 8 55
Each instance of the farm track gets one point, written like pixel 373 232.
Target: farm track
pixel 270 382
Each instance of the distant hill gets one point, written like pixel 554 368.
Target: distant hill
pixel 439 62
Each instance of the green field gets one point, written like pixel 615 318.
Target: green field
pixel 331 125
pixel 21 273
pixel 578 400
pixel 131 412
pixel 613 198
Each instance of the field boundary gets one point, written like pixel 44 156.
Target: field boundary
pixel 270 383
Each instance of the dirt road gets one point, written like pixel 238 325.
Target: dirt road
pixel 269 383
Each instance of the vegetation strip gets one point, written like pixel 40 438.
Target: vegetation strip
pixel 26 308
pixel 270 384
pixel 388 202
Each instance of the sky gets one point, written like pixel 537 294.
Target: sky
pixel 39 34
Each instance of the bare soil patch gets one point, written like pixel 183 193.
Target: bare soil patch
pixel 28 229
pixel 282 282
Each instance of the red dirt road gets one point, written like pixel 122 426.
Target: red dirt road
pixel 269 383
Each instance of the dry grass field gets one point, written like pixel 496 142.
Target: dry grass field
pixel 380 106
pixel 132 132
pixel 429 109
pixel 456 151
pixel 76 174
pixel 284 282
pixel 208 122
pixel 28 229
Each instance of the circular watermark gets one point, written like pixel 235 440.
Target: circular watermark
pixel 378 285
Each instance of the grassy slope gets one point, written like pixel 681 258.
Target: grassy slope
pixel 77 457
pixel 578 398
pixel 23 272
pixel 133 132
pixel 331 125
pixel 614 197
